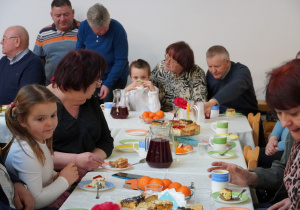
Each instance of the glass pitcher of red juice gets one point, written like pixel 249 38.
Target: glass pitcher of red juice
pixel 120 107
pixel 159 149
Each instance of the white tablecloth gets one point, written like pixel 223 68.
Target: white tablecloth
pixel 185 169
pixel 237 125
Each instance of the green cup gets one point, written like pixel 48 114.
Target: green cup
pixel 220 127
pixel 218 142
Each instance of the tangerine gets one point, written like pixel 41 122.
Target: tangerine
pixel 144 181
pixel 175 185
pixel 180 150
pixel 167 182
pixel 185 190
pixel 151 115
pixel 160 114
pixel 156 118
pixel 158 181
pixel 145 115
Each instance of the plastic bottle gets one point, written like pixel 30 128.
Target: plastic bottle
pixel 214 112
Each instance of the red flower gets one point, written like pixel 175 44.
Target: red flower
pixel 180 102
pixel 106 206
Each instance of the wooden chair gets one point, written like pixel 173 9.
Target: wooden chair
pixel 251 156
pixel 268 128
pixel 4 150
pixel 254 123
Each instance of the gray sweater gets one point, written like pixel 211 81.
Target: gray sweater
pixel 272 178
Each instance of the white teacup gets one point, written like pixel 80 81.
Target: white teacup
pixel 219 180
pixel 107 107
pixel 141 150
pixel 218 142
pixel 220 127
pixel 140 89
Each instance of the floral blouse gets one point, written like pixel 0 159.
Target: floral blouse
pixel 188 85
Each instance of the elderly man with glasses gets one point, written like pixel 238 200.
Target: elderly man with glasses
pixel 20 66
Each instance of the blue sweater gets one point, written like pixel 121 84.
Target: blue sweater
pixel 234 91
pixel 113 46
pixel 281 133
pixel 28 70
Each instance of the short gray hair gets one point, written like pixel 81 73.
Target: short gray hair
pixel 98 16
pixel 217 49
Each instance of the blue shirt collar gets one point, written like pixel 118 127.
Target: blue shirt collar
pixel 18 56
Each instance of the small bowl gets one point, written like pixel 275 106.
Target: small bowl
pixel 153 187
pixel 148 120
pixel 187 198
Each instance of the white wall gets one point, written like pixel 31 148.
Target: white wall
pixel 258 33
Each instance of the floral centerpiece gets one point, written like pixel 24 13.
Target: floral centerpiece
pixel 180 103
pixel 106 206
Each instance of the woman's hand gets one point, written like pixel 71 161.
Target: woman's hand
pixel 281 205
pixel 70 173
pixel 23 198
pixel 88 161
pixel 272 146
pixel 238 175
pixel 149 85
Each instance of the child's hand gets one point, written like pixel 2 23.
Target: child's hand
pixel 70 173
pixel 149 85
pixel 133 86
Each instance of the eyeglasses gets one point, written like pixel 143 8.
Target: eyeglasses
pixel 99 82
pixel 5 38
pixel 168 58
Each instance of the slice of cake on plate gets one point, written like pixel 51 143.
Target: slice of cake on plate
pixel 226 194
pixel 120 163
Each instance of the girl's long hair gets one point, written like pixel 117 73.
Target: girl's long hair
pixel 19 110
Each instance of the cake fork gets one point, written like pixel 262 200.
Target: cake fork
pixel 98 185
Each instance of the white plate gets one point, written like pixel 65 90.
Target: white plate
pixel 236 115
pixel 82 185
pixel 216 197
pixel 184 153
pixel 107 166
pixel 126 147
pixel 216 154
pixel 136 132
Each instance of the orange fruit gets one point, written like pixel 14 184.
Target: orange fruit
pixel 145 115
pixel 151 115
pixel 156 118
pixel 180 150
pixel 167 182
pixel 143 181
pixel 185 190
pixel 160 114
pixel 158 181
pixel 175 185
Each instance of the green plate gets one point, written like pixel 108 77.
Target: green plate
pixel 233 144
pixel 216 154
pixel 128 141
pixel 216 197
pixel 77 209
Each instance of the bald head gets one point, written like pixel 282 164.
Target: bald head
pixel 22 34
pixel 15 39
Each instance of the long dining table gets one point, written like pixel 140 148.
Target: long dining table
pixel 187 168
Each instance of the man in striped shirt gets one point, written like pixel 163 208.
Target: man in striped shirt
pixel 56 40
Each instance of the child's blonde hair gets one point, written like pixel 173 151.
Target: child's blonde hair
pixel 19 110
pixel 140 64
